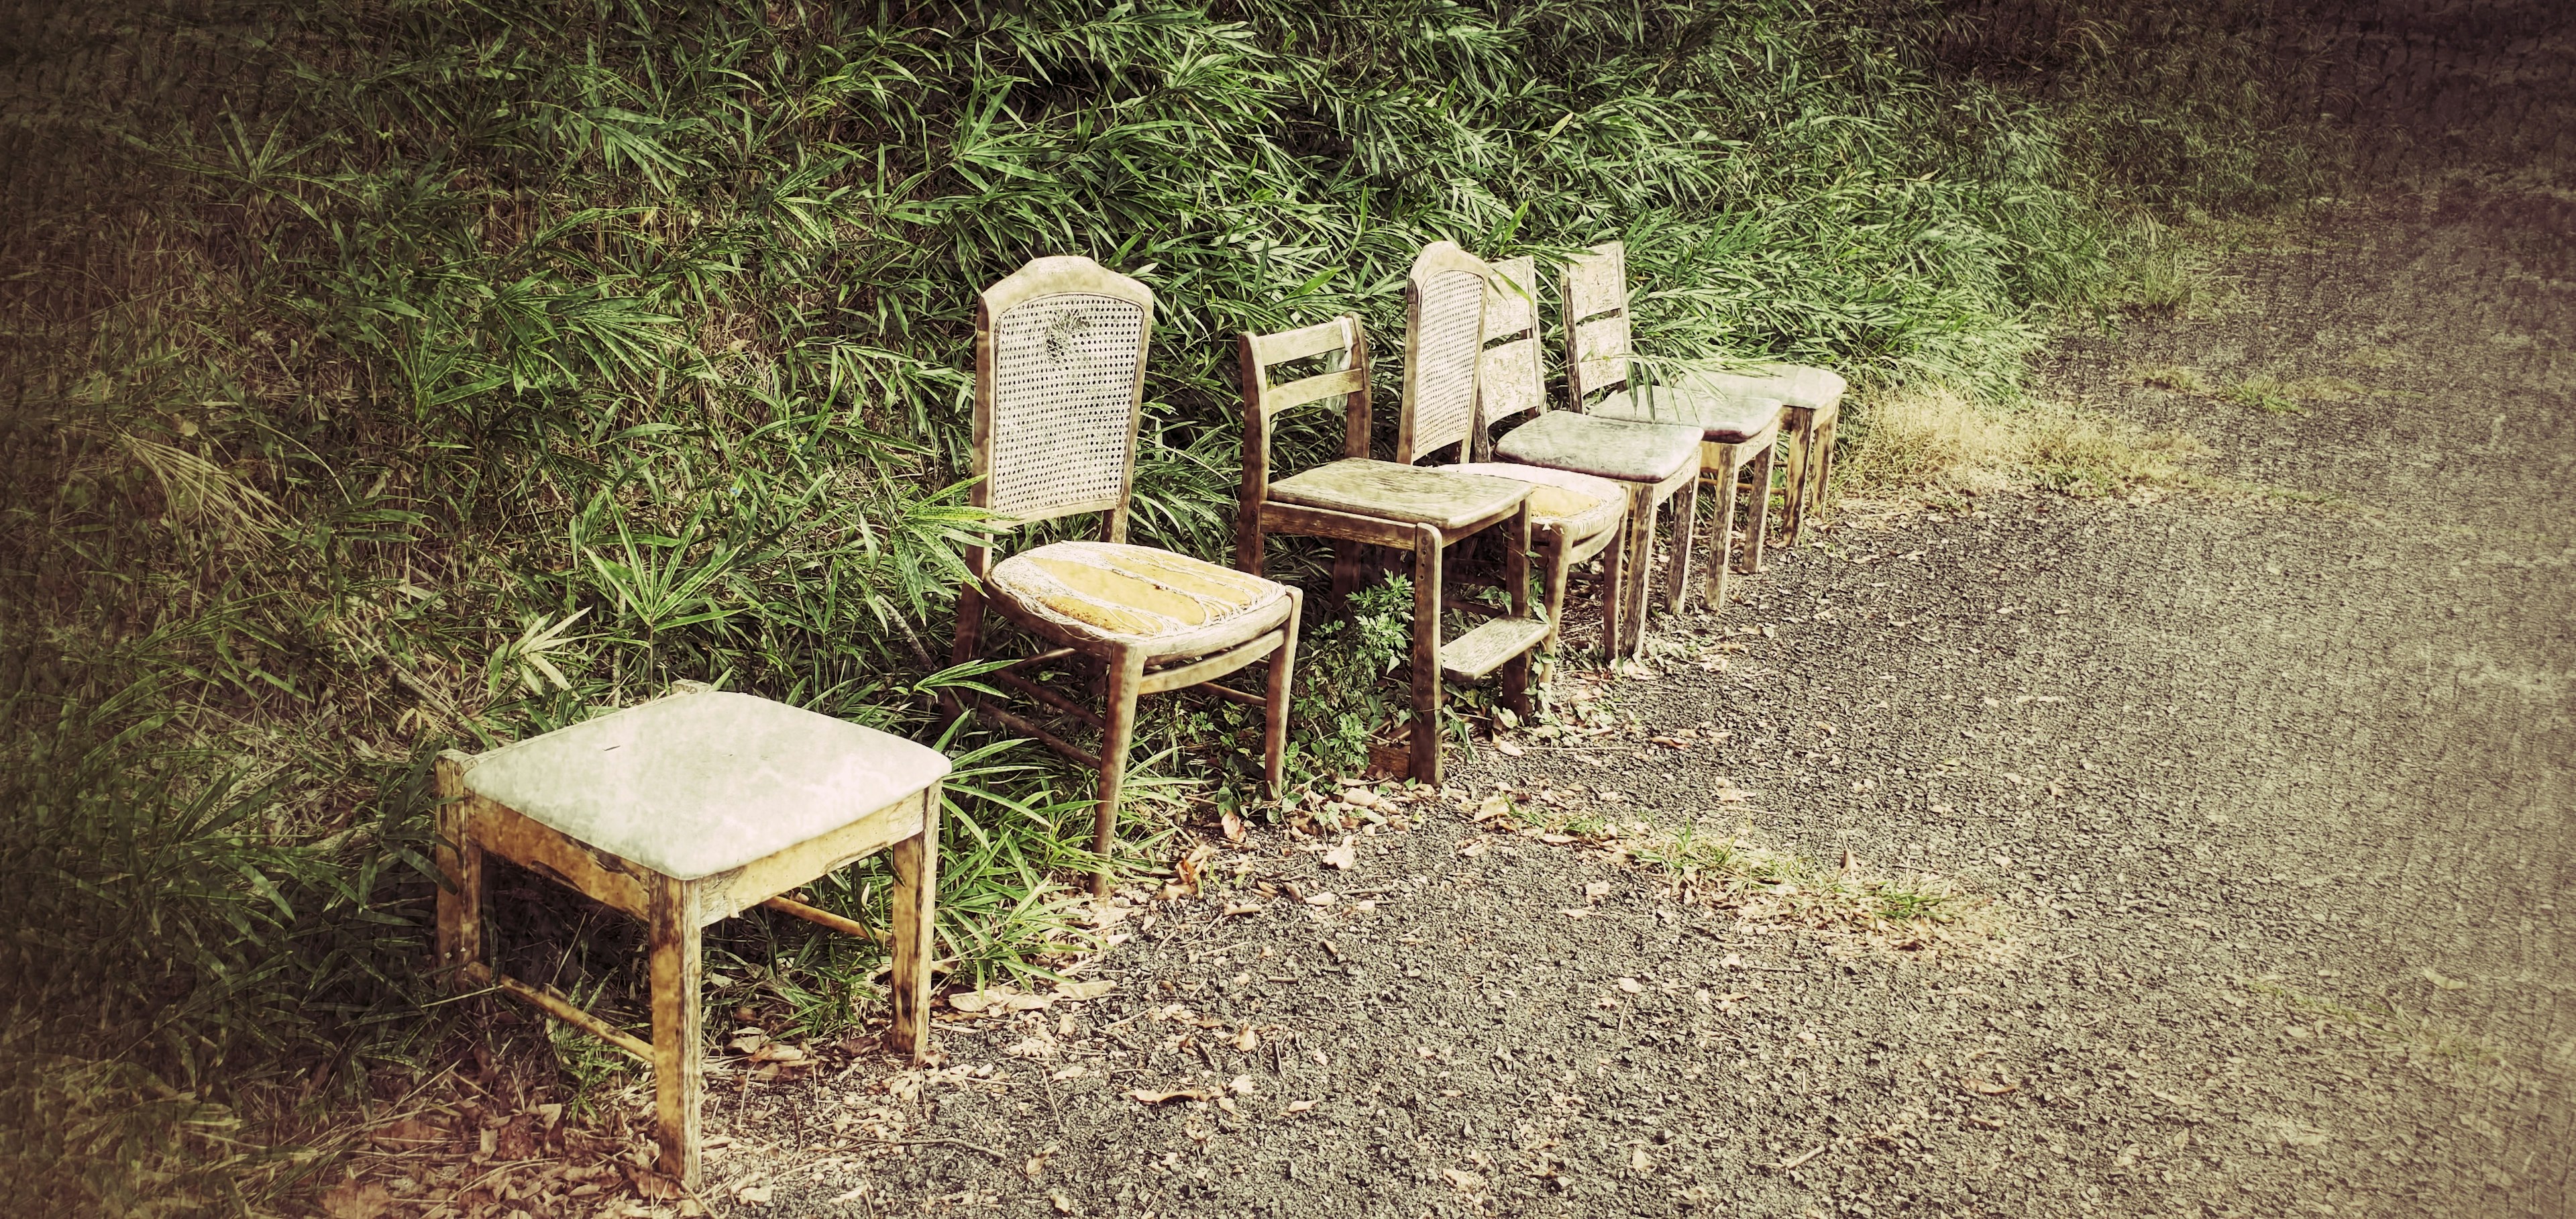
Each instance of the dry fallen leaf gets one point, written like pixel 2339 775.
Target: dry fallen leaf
pixel 1322 899
pixel 1297 1106
pixel 1344 857
pixel 754 1195
pixel 1156 1098
pixel 1473 848
pixel 356 1201
pixel 1640 1161
pixel 1247 1041
pixel 1084 990
pixel 1597 890
pixel 1508 749
pixel 1235 908
pixel 1463 1179
pixel 1232 825
pixel 1575 913
pixel 1494 806
pixel 1985 1088
pixel 1242 1085
pixel 1632 986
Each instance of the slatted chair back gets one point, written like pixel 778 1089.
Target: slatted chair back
pixel 1059 385
pixel 1444 340
pixel 1513 379
pixel 1596 322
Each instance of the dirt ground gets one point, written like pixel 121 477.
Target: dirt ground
pixel 2269 788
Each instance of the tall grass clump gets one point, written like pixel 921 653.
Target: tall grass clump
pixel 383 377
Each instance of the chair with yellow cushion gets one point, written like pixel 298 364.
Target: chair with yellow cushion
pixel 1059 381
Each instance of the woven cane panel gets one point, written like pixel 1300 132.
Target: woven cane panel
pixel 1445 353
pixel 1064 382
pixel 1508 312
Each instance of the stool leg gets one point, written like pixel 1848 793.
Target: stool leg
pixel 460 865
pixel 1426 655
pixel 1274 711
pixel 1759 526
pixel 679 1054
pixel 1121 733
pixel 915 862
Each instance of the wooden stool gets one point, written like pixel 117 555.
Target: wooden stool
pixel 681 811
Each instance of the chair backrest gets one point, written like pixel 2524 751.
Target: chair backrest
pixel 1513 378
pixel 1596 322
pixel 1444 342
pixel 1059 384
pixel 1343 379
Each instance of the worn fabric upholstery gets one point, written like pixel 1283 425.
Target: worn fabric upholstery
pixel 1392 492
pixel 1579 504
pixel 1624 449
pixel 697 784
pixel 1723 418
pixel 1798 385
pixel 1171 603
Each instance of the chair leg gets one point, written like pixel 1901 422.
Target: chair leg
pixel 1823 461
pixel 1552 551
pixel 915 862
pixel 679 1056
pixel 460 866
pixel 1346 572
pixel 1516 671
pixel 1641 572
pixel 1426 655
pixel 1799 435
pixel 1685 527
pixel 1759 525
pixel 1614 576
pixel 1114 742
pixel 1721 545
pixel 1274 725
pixel 969 645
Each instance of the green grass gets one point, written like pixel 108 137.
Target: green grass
pixel 383 378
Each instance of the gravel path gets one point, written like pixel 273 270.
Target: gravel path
pixel 2271 794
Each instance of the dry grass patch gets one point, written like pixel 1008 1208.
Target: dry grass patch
pixel 1935 441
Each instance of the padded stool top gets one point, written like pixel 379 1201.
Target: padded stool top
pixel 695 784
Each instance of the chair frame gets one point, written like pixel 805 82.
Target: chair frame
pixel 1258 516
pixel 1597 358
pixel 1810 434
pixel 1122 672
pixel 1514 382
pixel 675 911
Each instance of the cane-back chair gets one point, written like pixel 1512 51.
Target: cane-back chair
pixel 1059 384
pixel 681 812
pixel 1737 432
pixel 1814 401
pixel 1648 464
pixel 1358 501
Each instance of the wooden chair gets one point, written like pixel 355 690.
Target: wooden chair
pixel 1737 432
pixel 1059 383
pixel 1358 501
pixel 1814 398
pixel 1646 464
pixel 683 811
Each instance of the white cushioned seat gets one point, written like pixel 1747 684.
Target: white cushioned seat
pixel 1579 504
pixel 1800 385
pixel 1722 418
pixel 1170 604
pixel 1393 491
pixel 1622 449
pixel 695 784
